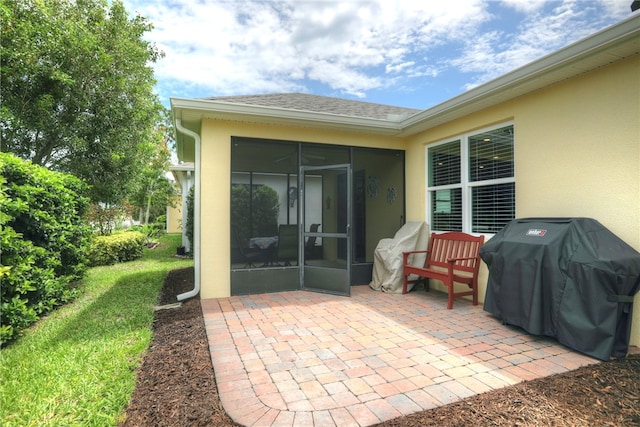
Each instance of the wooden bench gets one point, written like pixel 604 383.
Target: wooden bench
pixel 452 257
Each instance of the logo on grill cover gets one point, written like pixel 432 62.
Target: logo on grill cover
pixel 536 232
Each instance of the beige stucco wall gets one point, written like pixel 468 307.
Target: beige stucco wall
pixel 174 215
pixel 577 148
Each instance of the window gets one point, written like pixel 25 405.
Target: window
pixel 471 182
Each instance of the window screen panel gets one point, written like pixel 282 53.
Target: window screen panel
pixel 491 155
pixel 444 164
pixel 493 206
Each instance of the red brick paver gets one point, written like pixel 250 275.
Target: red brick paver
pixel 309 359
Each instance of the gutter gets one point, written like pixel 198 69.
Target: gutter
pixel 196 214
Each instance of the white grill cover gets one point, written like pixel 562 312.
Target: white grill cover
pixel 387 260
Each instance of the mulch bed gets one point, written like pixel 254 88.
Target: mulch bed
pixel 176 384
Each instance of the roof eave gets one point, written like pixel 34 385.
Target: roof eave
pixel 183 167
pixel 193 110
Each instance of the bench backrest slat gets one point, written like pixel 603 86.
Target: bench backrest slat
pixel 454 245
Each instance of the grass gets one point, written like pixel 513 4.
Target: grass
pixel 77 366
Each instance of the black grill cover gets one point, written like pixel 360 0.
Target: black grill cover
pixel 568 278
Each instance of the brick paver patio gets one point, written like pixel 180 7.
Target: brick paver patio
pixel 310 359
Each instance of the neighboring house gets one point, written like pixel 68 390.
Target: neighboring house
pixel 557 137
pixel 174 215
pixel 184 175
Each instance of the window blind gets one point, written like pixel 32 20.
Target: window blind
pixel 446 209
pixel 491 155
pixel 493 206
pixel 444 164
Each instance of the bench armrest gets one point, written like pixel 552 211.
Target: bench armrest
pixel 405 255
pixel 415 252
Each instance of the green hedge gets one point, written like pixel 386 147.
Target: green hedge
pixel 43 241
pixel 120 247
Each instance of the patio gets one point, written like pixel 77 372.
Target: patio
pixel 303 358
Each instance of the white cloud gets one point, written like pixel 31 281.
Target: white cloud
pixel 615 8
pixel 243 47
pixel 494 53
pixel 526 6
pixel 240 47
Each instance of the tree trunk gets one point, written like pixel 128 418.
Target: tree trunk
pixel 146 218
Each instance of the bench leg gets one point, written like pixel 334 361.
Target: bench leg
pixel 475 294
pixel 450 298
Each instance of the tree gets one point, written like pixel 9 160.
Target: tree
pixel 155 191
pixel 77 90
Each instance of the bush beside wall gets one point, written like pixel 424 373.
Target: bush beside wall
pixel 43 241
pixel 120 247
pixel 190 219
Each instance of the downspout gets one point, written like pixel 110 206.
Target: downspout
pixel 196 214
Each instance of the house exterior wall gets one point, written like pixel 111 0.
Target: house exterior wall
pixel 577 154
pixel 215 175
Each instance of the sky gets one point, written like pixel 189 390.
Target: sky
pixel 414 53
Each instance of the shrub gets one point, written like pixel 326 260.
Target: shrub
pixel 43 241
pixel 151 231
pixel 190 219
pixel 106 218
pixel 119 247
pixel 154 230
pixel 161 222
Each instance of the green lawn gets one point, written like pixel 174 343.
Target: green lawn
pixel 77 366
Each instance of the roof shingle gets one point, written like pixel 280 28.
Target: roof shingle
pixel 321 104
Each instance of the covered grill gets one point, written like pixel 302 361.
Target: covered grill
pixel 568 278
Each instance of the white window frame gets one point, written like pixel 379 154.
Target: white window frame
pixel 465 185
